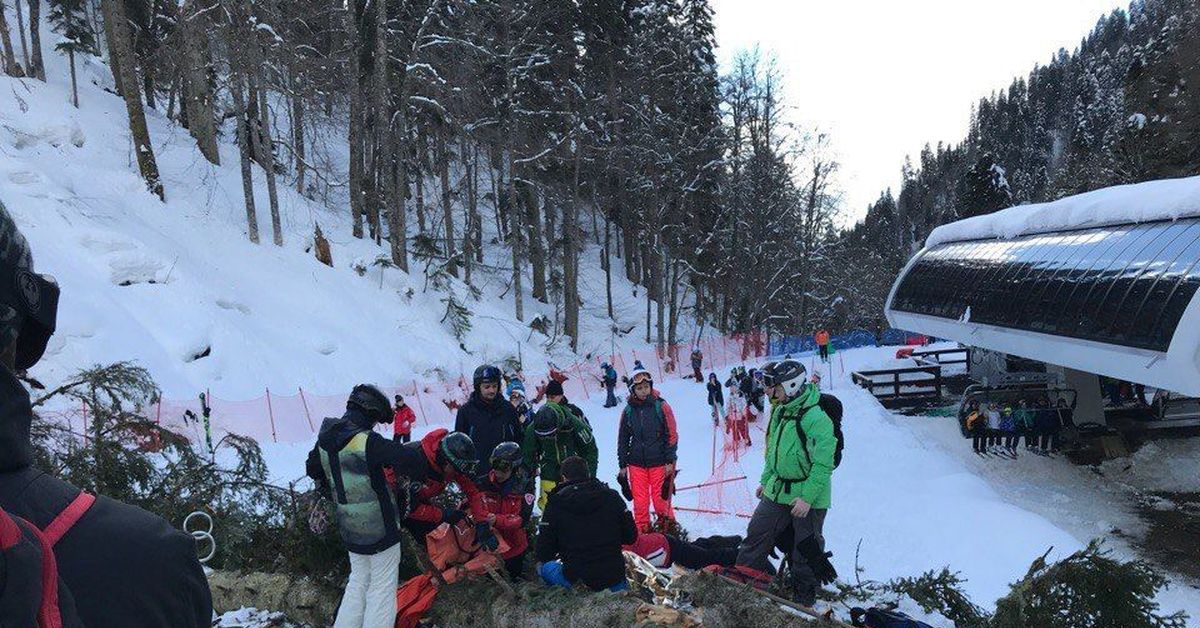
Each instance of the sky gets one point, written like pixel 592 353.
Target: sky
pixel 886 77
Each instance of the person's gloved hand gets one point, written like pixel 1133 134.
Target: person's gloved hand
pixel 668 485
pixel 817 559
pixel 452 516
pixel 486 538
pixel 627 492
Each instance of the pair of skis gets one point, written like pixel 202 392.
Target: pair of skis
pixel 206 413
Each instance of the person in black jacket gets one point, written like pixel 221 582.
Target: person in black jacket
pixel 487 418
pixel 118 565
pixel 716 399
pixel 582 531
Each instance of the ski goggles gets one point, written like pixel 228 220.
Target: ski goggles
pixel 503 464
pixel 642 378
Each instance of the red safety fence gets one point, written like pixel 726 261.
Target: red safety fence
pixel 291 416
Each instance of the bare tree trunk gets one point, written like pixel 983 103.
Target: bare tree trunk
pixel 673 318
pixel 385 167
pixel 476 218
pixel 243 138
pixel 197 92
pixel 608 266
pixel 398 219
pixel 121 47
pixel 11 67
pixel 660 281
pixel 266 154
pixel 515 233
pixel 537 252
pixel 297 118
pixel 571 260
pixel 21 32
pixel 420 186
pixel 447 207
pixel 468 249
pixel 37 67
pixel 356 124
pixel 74 87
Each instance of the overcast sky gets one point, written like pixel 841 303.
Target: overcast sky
pixel 885 77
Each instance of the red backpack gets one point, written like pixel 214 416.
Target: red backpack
pixel 29 571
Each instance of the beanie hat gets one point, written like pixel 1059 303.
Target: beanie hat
pixel 554 388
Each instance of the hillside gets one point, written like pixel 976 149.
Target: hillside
pixel 177 287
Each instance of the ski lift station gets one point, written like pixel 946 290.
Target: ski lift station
pixel 1092 297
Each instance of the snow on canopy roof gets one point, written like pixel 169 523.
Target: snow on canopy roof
pixel 1168 199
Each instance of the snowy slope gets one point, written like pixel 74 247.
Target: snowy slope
pixel 908 489
pixel 162 283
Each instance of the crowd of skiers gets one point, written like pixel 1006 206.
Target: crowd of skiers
pixel 504 457
pixel 997 427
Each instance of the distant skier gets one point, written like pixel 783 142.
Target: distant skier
pixel 486 418
pixel 822 338
pixel 697 363
pixel 609 379
pixel 716 399
pixel 403 421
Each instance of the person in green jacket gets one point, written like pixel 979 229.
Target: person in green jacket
pixel 795 486
pixel 555 434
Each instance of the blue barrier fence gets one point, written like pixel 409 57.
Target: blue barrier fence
pixel 796 345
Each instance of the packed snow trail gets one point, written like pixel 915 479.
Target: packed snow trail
pixel 912 496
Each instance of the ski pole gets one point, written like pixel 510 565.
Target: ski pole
pixel 714 483
pixel 711 512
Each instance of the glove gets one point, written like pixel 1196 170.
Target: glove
pixel 627 492
pixel 452 516
pixel 817 559
pixel 486 538
pixel 668 486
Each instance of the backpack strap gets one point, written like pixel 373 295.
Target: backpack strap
pixel 68 517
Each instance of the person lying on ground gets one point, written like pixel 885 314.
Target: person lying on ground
pixel 665 550
pixel 581 532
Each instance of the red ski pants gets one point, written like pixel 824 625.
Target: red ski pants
pixel 647 484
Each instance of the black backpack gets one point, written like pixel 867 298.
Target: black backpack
pixel 832 406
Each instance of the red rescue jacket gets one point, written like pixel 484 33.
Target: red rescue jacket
pixel 652 546
pixel 422 507
pixel 510 504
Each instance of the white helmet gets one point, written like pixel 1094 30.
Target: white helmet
pixel 790 374
pixel 639 376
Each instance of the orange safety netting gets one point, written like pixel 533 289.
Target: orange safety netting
pixel 295 415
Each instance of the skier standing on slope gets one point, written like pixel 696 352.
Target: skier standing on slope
pixel 716 399
pixel 697 364
pixel 347 464
pixel 795 487
pixel 486 418
pixel 822 339
pixel 646 450
pixel 403 421
pixel 609 379
pixel 118 565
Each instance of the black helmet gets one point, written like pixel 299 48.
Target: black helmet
pixel 545 422
pixel 486 373
pixel 506 456
pixel 791 375
pixel 458 450
pixel 372 401
pixel 768 374
pixel 28 301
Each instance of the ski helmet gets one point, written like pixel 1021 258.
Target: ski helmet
pixel 371 401
pixel 458 450
pixel 486 373
pixel 768 374
pixel 506 456
pixel 791 375
pixel 28 302
pixel 545 422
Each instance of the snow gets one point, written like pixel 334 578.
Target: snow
pixel 160 283
pixel 1167 199
pixel 908 490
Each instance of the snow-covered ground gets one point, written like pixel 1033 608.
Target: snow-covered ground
pixel 909 490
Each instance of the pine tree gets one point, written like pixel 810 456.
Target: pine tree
pixel 68 18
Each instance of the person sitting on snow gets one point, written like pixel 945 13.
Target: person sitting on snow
pixel 646 450
pixel 665 550
pixel 348 466
pixel 581 532
pixel 504 502
pixel 555 434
